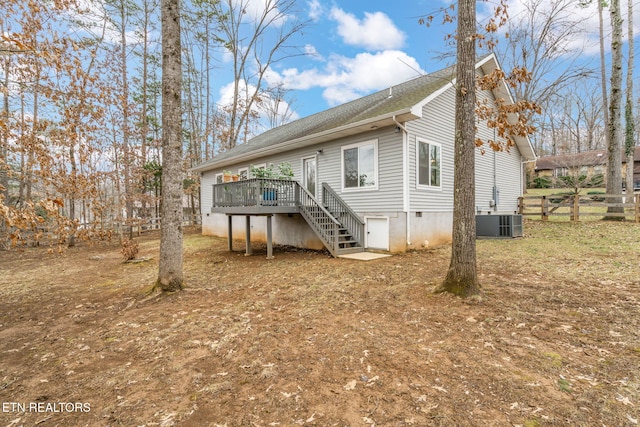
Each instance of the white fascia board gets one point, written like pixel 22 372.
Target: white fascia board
pixel 490 60
pixel 417 108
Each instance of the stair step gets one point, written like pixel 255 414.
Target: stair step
pixel 344 251
pixel 349 244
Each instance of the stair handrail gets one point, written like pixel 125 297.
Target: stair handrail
pixel 354 219
pixel 330 239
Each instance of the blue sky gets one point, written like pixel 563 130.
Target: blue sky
pixel 356 47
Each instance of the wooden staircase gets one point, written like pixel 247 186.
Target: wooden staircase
pixel 334 222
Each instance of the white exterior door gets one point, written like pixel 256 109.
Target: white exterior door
pixel 377 233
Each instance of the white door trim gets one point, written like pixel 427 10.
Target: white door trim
pixel 381 238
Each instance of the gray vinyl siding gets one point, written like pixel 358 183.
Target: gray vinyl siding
pixel 388 195
pixel 508 179
pixel 437 125
pixel 206 196
pixel 500 168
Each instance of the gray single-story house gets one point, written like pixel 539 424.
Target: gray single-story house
pixel 374 173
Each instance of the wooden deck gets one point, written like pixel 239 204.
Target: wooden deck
pixel 334 222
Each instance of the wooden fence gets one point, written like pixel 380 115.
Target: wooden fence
pixel 42 234
pixel 575 207
pixel 137 226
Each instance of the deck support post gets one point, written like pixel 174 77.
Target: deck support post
pixel 230 232
pixel 269 238
pixel 247 233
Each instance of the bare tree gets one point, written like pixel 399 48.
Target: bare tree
pixel 256 39
pixel 545 40
pixel 170 275
pixel 629 143
pixel 603 70
pixel 614 148
pixel 275 107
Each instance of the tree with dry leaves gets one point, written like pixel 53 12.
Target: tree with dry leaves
pixel 508 119
pixel 462 276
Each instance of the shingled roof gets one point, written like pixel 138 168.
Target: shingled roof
pixel 398 102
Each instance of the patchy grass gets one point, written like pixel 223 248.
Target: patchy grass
pixel 306 339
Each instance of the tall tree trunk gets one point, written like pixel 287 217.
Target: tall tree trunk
pixel 126 149
pixel 170 276
pixel 462 276
pixel 144 120
pixel 629 143
pixel 73 193
pixel 4 136
pixel 614 148
pixel 603 71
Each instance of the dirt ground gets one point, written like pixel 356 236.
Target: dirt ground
pixel 309 340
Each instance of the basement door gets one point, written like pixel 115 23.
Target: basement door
pixel 377 232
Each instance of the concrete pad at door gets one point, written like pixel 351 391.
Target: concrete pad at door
pixel 364 256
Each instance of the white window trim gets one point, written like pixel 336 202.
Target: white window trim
pixel 422 186
pixel 373 142
pixel 240 170
pixel 215 178
pixel 304 172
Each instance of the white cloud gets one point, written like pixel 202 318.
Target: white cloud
pixel 375 32
pixel 345 79
pixel 312 52
pixel 315 10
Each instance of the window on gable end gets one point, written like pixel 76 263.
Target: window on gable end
pixel 429 160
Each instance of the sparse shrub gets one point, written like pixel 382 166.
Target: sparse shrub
pixel 129 249
pixel 594 196
pixel 541 182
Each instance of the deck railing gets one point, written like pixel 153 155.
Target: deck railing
pixel 255 192
pixel 343 213
pixel 334 222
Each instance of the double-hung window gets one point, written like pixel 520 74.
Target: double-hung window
pixel 360 166
pixel 429 164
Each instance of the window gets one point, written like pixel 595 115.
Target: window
pixel 219 178
pixel 429 164
pixel 561 172
pixel 360 166
pixel 243 173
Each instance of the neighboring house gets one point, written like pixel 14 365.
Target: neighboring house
pixel 587 163
pixel 374 173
